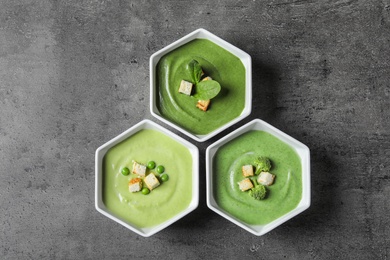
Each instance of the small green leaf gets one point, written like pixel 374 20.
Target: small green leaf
pixel 207 89
pixel 195 71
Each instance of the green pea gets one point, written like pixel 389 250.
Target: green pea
pixel 145 191
pixel 125 171
pixel 160 169
pixel 164 177
pixel 151 165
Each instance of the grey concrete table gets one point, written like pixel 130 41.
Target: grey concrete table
pixel 74 74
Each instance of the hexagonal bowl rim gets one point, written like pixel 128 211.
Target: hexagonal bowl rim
pixel 102 150
pixel 301 149
pixel 202 34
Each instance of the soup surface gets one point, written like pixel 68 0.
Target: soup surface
pixel 163 202
pixel 283 196
pixel 217 63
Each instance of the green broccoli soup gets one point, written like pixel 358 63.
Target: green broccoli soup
pixel 147 152
pixel 183 109
pixel 281 197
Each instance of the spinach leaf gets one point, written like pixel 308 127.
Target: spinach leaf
pixel 207 89
pixel 195 71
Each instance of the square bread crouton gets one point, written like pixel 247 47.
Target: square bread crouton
pixel 151 181
pixel 266 178
pixel 185 87
pixel 247 170
pixel 139 169
pixel 203 104
pixel 135 185
pixel 245 184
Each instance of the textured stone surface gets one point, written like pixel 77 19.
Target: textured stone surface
pixel 74 74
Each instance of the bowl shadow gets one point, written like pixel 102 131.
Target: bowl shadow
pixel 265 82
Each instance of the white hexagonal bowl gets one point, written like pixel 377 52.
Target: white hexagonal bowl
pixel 202 34
pixel 102 150
pixel 302 151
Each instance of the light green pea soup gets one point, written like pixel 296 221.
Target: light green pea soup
pixel 163 202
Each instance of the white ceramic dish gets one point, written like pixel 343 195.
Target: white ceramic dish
pixel 202 34
pixel 302 151
pixel 102 150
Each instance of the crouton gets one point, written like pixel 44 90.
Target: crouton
pixel 135 185
pixel 151 181
pixel 245 184
pixel 203 104
pixel 266 178
pixel 207 78
pixel 139 169
pixel 185 87
pixel 247 170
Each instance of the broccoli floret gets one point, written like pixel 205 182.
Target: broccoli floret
pixel 258 192
pixel 263 164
